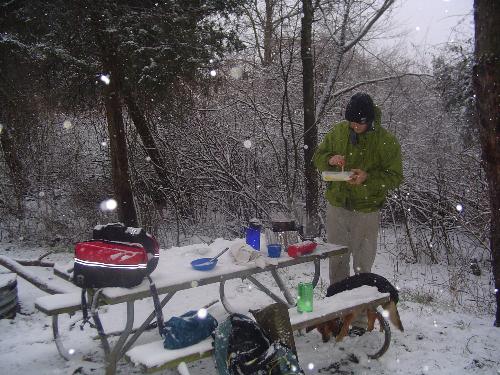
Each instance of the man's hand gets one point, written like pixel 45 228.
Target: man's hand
pixel 337 160
pixel 358 177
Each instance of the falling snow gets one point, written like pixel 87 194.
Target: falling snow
pixel 108 205
pixel 202 313
pixel 236 72
pixel 67 125
pixel 105 78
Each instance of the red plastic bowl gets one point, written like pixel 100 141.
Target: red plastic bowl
pixel 297 249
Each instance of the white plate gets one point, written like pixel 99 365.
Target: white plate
pixel 336 176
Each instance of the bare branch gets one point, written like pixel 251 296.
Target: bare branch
pixel 387 4
pixel 375 80
pixel 30 276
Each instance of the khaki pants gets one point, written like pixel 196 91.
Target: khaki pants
pixel 359 232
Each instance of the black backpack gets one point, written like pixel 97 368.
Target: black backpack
pixel 242 348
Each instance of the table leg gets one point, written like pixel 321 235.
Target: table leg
pixel 97 321
pixel 115 354
pixel 55 332
pixel 317 263
pixel 145 325
pixel 283 287
pixel 223 299
pixel 264 289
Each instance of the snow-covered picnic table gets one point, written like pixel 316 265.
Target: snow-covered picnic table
pixel 173 274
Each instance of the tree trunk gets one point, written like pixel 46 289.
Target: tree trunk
pixel 486 79
pixel 268 33
pixel 147 138
pixel 310 128
pixel 117 141
pixel 14 165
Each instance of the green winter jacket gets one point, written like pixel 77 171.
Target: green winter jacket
pixel 378 153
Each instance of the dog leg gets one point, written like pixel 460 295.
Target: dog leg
pixel 394 317
pixel 346 322
pixel 372 316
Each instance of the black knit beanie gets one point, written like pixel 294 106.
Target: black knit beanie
pixel 360 109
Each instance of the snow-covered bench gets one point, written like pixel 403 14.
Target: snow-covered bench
pixel 154 357
pixel 56 304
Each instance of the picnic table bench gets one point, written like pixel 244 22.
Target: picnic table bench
pixel 153 356
pixel 174 274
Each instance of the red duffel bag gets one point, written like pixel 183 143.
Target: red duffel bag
pixel 117 256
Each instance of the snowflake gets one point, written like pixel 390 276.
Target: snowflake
pixel 108 205
pixel 236 72
pixel 105 78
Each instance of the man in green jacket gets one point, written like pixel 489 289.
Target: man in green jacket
pixel 373 155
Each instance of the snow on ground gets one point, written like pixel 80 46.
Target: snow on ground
pixel 440 336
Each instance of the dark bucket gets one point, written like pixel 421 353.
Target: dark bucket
pixel 8 296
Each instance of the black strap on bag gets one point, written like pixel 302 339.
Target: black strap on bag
pixel 86 319
pixel 157 305
pixel 94 304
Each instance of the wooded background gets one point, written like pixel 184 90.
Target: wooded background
pixel 197 116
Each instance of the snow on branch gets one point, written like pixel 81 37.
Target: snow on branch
pixel 30 276
pixel 387 4
pixel 375 80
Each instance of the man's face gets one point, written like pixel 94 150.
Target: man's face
pixel 358 127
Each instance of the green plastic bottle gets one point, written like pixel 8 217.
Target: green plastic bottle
pixel 305 297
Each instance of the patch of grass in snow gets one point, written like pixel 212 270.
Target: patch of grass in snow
pixel 417 296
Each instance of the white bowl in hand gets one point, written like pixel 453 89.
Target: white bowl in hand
pixel 336 176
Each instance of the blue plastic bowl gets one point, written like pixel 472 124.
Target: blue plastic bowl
pixel 204 264
pixel 274 250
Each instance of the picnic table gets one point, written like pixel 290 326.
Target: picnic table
pixel 174 274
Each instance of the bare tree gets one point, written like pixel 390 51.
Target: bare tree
pixel 265 19
pixel 486 79
pixel 310 130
